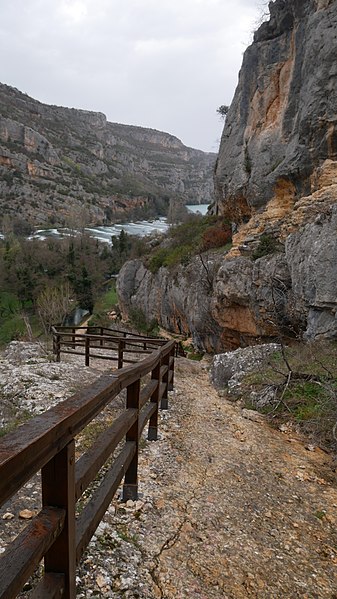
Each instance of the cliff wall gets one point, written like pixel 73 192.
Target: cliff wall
pixel 276 180
pixel 281 124
pixel 238 301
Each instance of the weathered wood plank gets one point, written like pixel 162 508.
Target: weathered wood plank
pixel 90 462
pixel 24 554
pixel 95 509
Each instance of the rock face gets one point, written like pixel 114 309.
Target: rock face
pixel 55 161
pixel 228 369
pixel 282 122
pixel 240 301
pixel 276 176
pixel 312 258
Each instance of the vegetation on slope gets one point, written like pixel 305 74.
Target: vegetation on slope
pixel 298 386
pixel 36 275
pixel 196 235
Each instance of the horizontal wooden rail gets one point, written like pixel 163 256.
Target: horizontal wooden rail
pixel 147 392
pixel 146 415
pixel 26 551
pixel 112 346
pixel 47 443
pixel 94 511
pixel 90 462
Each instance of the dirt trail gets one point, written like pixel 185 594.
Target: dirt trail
pixel 230 509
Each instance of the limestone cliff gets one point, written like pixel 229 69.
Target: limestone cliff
pixel 276 180
pixel 57 161
pixel 282 123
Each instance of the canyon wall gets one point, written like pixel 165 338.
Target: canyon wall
pixel 281 124
pixel 276 181
pixel 60 164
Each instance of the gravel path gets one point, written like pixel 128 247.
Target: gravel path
pixel 228 508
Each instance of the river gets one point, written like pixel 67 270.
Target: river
pixel 104 234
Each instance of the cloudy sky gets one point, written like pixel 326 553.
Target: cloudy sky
pixel 164 64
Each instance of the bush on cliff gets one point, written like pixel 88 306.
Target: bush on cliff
pixel 182 242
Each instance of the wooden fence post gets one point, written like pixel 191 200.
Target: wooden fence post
pixel 58 490
pixel 87 351
pixel 121 347
pixel 164 399
pixel 171 370
pixel 153 423
pixel 130 487
pixel 58 348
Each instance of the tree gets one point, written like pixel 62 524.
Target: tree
pixel 123 243
pixel 53 304
pixel 83 291
pixel 223 110
pixel 120 250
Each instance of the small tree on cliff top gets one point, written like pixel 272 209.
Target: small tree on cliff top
pixel 223 110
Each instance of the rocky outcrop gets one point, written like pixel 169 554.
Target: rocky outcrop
pixel 228 370
pixel 58 161
pixel 282 122
pixel 312 258
pixel 31 382
pixel 228 301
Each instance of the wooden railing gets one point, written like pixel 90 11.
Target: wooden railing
pixel 112 344
pixel 47 443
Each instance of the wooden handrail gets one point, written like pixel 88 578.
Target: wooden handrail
pixel 112 346
pixel 47 443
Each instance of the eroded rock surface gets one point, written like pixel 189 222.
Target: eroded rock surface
pixel 31 382
pixel 281 124
pixel 236 300
pixel 227 369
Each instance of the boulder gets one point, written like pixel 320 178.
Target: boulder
pixel 228 369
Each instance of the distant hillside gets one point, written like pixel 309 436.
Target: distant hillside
pixel 62 164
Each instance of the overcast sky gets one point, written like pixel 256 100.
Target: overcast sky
pixel 164 64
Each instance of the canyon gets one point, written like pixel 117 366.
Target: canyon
pixel 62 165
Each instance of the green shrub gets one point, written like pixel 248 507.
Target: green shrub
pixel 196 235
pixel 307 400
pixel 139 321
pixel 304 380
pixel 267 245
pixel 158 259
pixel 12 328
